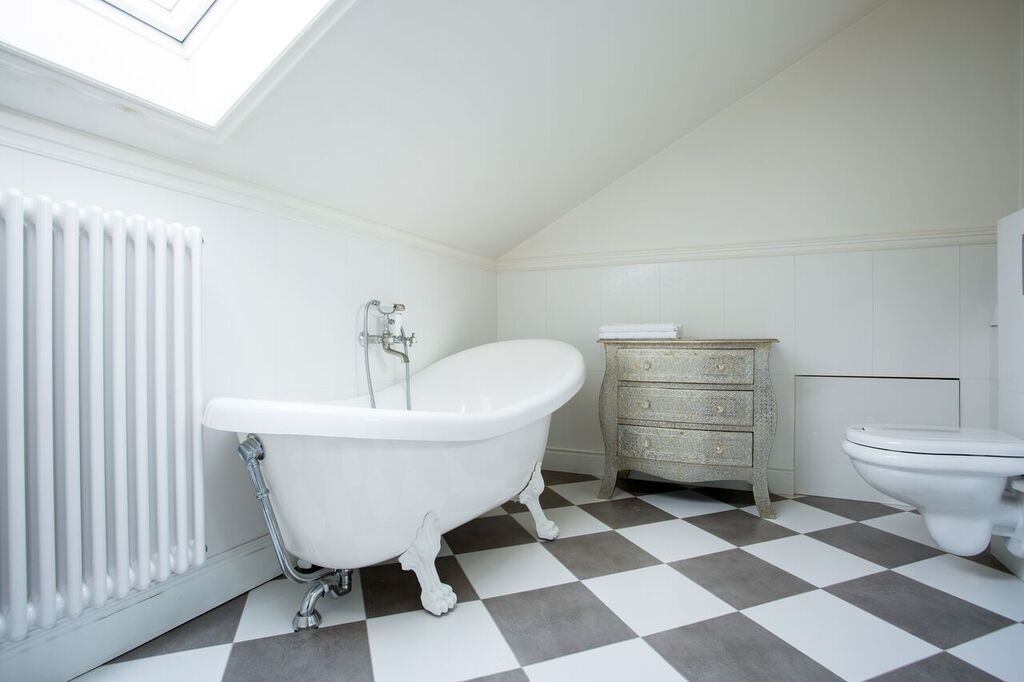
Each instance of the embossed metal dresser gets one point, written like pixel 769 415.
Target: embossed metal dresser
pixel 689 410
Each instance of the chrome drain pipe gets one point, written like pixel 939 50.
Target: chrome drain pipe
pixel 335 582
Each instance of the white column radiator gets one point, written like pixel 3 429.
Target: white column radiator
pixel 101 474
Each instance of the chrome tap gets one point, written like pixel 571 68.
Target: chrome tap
pixel 393 332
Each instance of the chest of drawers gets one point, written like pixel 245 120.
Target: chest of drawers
pixel 689 410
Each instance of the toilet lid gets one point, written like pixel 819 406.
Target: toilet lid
pixel 936 440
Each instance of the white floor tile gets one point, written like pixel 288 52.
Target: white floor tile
pixel 684 503
pixel 195 665
pixel 506 570
pixel 571 521
pixel 463 644
pixel 585 492
pixel 445 549
pixel 848 641
pixel 656 598
pixel 674 540
pixel 803 518
pixel 906 525
pixel 997 653
pixel 270 607
pixel 969 580
pixel 629 660
pixel 814 561
pixel 497 511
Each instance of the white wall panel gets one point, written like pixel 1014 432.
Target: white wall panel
pixel 916 312
pixel 693 294
pixel 522 311
pixel 825 406
pixel 629 293
pixel 574 312
pixel 978 353
pixel 759 299
pixel 782 450
pixel 833 313
pixel 575 426
pixel 978 403
pixel 1010 271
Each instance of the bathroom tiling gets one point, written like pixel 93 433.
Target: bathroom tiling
pixel 750 604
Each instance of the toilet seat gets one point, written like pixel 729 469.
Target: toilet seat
pixel 932 440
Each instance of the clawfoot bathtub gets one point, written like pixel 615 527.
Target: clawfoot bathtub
pixel 344 486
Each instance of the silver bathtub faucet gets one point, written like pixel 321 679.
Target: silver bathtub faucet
pixel 392 333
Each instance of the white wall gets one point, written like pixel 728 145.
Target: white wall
pixel 898 313
pixel 907 121
pixel 280 306
pixel 1011 324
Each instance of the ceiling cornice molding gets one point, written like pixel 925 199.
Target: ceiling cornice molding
pixel 61 143
pixel 866 242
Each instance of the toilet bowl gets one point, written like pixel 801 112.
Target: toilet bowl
pixel 966 483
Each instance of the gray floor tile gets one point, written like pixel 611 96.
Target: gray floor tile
pixel 739 527
pixel 987 559
pixel 733 648
pixel 549 499
pixel 934 616
pixel 560 477
pixel 488 532
pixel 737 498
pixel 884 549
pixel 555 621
pixel 939 667
pixel 636 486
pixel 856 510
pixel 387 589
pixel 741 579
pixel 216 626
pixel 341 652
pixel 516 675
pixel 626 512
pixel 596 554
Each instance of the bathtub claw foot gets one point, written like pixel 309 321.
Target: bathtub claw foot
pixel 436 597
pixel 530 497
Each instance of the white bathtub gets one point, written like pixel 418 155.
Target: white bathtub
pixel 352 486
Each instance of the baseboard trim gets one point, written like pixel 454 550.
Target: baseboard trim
pixel 866 242
pixel 780 481
pixel 98 636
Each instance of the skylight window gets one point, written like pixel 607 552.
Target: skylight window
pixel 175 18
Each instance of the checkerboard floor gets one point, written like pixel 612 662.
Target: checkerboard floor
pixel 663 582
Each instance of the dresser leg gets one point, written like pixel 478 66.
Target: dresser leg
pixel 762 499
pixel 611 476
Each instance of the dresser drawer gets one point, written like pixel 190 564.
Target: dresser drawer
pixel 693 366
pixel 721 408
pixel 723 448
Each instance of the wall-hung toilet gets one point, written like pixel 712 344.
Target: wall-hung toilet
pixel 966 483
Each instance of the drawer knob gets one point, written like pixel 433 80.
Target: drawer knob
pixel 646 404
pixel 720 366
pixel 719 449
pixel 646 443
pixel 719 409
pixel 647 364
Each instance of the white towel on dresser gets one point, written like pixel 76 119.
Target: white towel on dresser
pixel 650 330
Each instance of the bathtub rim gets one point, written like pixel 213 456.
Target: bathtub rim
pixel 297 418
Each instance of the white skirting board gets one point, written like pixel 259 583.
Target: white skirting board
pixel 94 638
pixel 780 481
